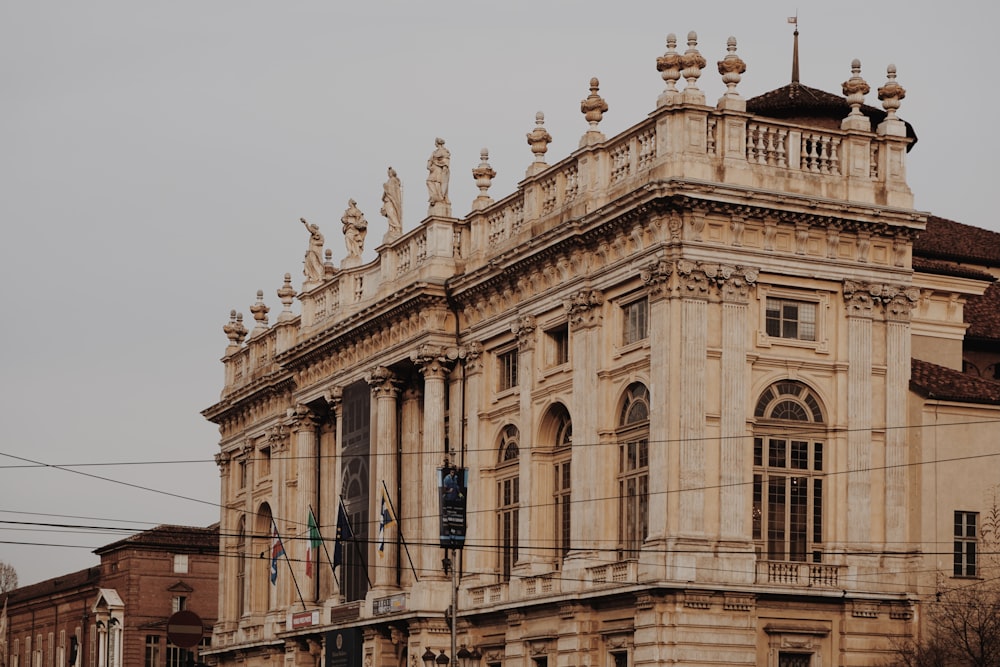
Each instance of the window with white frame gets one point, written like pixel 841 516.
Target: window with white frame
pixel 635 321
pixel 507 370
pixel 633 470
pixel 180 563
pixel 508 501
pixel 787 510
pixel 966 544
pixel 786 318
pixel 152 651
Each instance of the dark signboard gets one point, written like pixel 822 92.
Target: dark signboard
pixel 453 488
pixel 343 648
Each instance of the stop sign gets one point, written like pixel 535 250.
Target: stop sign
pixel 184 629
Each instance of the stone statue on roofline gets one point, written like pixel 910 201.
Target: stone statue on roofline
pixel 392 205
pixel 438 173
pixel 313 269
pixel 355 229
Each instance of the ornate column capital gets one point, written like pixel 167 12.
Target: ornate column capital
pixel 900 302
pixel 523 327
pixel 656 275
pixel 302 418
pixel 334 397
pixel 858 299
pixel 277 437
pixel 472 353
pixel 432 360
pixel 223 460
pixel 583 307
pixel 383 382
pixel 734 282
pixel 693 280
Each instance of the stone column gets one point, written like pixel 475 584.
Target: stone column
pixel 411 506
pixel 656 277
pixel 227 529
pixel 431 361
pixel 593 503
pixel 282 514
pixel 478 457
pixel 250 524
pixel 694 332
pixel 385 391
pixel 897 382
pixel 304 428
pixel 533 514
pixel 860 311
pixel 735 284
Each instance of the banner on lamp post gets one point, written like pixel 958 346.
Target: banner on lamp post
pixel 453 490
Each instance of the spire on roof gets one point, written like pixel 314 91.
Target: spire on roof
pixel 795 48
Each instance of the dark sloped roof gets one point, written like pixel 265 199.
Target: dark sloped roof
pixel 982 314
pixel 945 384
pixel 169 538
pixel 66 582
pixel 944 268
pixel 798 101
pixel 953 241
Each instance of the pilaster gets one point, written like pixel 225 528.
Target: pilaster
pixel 385 391
pixel 860 311
pixel 694 292
pixel 304 428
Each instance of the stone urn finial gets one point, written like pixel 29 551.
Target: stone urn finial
pixel 593 109
pixel 891 94
pixel 669 67
pixel 286 293
pixel 539 138
pixel 692 61
pixel 855 90
pixel 259 310
pixel 731 68
pixel 235 331
pixel 484 175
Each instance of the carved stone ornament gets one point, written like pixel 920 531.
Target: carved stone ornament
pixel 693 281
pixel 234 330
pixel 580 307
pixel 656 276
pixel 858 299
pixel 524 327
pixel 855 90
pixel 287 294
pixel 484 175
pixel 223 459
pixel 731 68
pixel 593 107
pixel 431 359
pixel 539 138
pixel 891 93
pixel 692 61
pixel 669 67
pixel 259 310
pixel 382 382
pixel 303 418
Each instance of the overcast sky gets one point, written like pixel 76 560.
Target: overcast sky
pixel 157 156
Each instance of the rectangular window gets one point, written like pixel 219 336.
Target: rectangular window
pixel 633 490
pixel 177 656
pixel 619 659
pixel 636 321
pixel 791 319
pixel 794 659
pixel 241 473
pixel 966 539
pixel 152 651
pixel 180 563
pixel 562 498
pixel 178 603
pixel 508 490
pixel 265 462
pixel 558 345
pixel 507 370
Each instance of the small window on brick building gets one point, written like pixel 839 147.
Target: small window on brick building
pixel 180 563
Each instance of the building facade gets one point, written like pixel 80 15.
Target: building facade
pixel 115 614
pixel 677 366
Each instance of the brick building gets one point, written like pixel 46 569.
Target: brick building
pixel 115 614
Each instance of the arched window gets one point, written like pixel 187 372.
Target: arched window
pixel 788 460
pixel 559 434
pixel 633 470
pixel 508 500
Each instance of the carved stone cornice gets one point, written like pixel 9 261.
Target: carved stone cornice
pixel 656 276
pixel 383 383
pixel 583 307
pixel 523 327
pixel 432 360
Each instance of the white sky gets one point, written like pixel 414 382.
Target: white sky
pixel 156 158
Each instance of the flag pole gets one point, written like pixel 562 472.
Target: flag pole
pixel 289 563
pixel 399 527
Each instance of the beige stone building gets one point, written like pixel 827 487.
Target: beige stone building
pixel 677 365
